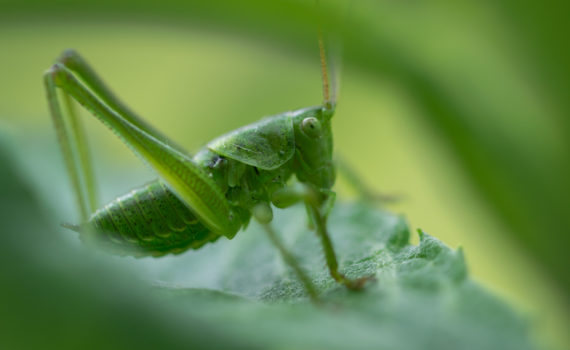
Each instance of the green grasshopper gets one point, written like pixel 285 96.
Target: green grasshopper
pixel 201 198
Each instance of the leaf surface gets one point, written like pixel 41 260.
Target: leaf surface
pixel 69 297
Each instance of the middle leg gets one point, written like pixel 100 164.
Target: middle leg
pixel 290 195
pixel 263 214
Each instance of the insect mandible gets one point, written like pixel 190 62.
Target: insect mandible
pixel 199 198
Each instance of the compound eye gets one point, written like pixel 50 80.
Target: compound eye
pixel 311 127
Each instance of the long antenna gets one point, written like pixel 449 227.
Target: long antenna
pixel 324 72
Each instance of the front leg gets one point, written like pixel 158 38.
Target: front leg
pixel 288 196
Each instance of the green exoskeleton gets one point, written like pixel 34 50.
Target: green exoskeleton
pixel 198 198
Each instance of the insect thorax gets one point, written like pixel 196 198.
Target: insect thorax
pixel 243 185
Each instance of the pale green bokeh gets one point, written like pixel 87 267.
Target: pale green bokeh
pixel 195 85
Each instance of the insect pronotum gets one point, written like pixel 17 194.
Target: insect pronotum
pixel 197 199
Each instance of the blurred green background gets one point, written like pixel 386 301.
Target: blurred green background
pixel 462 107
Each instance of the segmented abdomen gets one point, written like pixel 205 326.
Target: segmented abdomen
pixel 150 220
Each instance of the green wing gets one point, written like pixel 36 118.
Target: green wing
pixel 266 144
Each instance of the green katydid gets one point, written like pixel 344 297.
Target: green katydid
pixel 212 194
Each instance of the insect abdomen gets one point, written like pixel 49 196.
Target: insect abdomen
pixel 150 220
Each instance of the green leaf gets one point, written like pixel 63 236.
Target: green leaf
pixel 60 295
pixel 422 297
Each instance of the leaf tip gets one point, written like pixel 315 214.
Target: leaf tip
pixel 421 234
